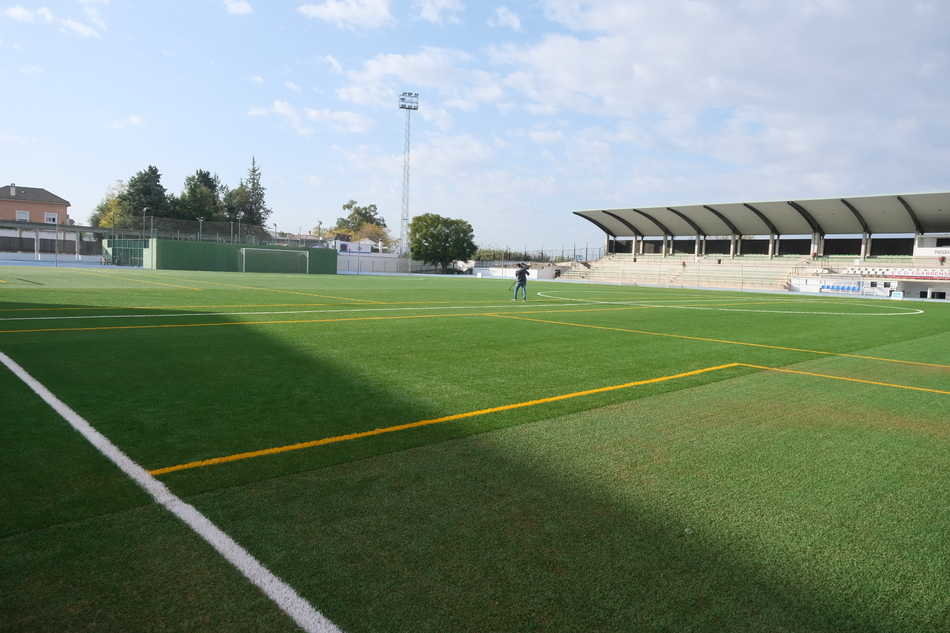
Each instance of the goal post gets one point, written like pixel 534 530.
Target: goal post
pixel 272 260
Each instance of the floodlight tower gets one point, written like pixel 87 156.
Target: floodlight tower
pixel 408 101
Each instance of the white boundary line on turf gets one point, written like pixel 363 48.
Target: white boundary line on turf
pixel 289 601
pixel 912 311
pixel 195 314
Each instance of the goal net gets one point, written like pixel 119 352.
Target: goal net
pixel 272 260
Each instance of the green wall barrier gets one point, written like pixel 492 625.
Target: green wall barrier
pixel 182 255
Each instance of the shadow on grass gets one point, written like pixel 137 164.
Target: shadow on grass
pixel 507 546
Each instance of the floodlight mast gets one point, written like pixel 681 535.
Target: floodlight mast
pixel 408 101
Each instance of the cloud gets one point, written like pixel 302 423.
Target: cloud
pixel 364 14
pixel 333 63
pixel 258 79
pixel 133 120
pixel 505 18
pixel 285 111
pixel 43 15
pixel 297 119
pixel 438 116
pixel 31 69
pixel 545 136
pixel 789 104
pixel 20 14
pixel 292 86
pixel 238 7
pixel 91 9
pixel 341 120
pixel 79 28
pixel 439 11
pixel 450 75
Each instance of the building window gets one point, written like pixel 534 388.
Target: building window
pixel 51 218
pixel 943 241
pixel 22 216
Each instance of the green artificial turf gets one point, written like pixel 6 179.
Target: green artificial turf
pixel 810 504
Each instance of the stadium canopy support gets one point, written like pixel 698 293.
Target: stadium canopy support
pixel 890 215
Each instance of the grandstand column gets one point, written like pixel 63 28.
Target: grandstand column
pixel 739 246
pixel 78 241
pixel 704 246
pixel 865 246
pixel 36 243
pixel 771 246
pixel 664 244
pixel 818 244
pixel 696 246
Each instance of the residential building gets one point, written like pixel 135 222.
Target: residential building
pixel 32 204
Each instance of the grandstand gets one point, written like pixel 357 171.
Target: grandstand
pixel 749 272
pixel 820 245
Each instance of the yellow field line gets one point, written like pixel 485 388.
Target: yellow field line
pixel 155 326
pixel 135 279
pixel 846 379
pixel 234 305
pixel 221 323
pixel 509 407
pixel 413 425
pixel 166 307
pixel 725 341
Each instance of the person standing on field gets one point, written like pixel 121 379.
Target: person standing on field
pixel 521 281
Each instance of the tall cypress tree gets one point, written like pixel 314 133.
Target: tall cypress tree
pixel 257 211
pixel 145 189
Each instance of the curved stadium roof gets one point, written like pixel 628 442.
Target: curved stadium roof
pixel 915 213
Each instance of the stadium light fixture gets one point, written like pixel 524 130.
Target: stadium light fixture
pixel 408 101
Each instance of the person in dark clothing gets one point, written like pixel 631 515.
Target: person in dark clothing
pixel 521 281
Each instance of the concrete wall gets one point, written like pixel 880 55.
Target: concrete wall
pixel 371 263
pixel 927 247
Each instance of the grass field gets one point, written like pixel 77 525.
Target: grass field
pixel 423 454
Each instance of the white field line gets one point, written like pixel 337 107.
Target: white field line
pixel 289 601
pixel 192 314
pixel 911 311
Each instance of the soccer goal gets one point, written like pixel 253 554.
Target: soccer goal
pixel 272 260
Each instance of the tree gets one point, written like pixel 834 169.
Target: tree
pixel 256 211
pixel 357 216
pixel 201 197
pixel 372 232
pixel 143 190
pixel 235 203
pixel 438 240
pixel 111 212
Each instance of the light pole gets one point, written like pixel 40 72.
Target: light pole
pixel 408 101
pixel 144 211
pixel 200 223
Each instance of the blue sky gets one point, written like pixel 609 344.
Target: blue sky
pixel 529 110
